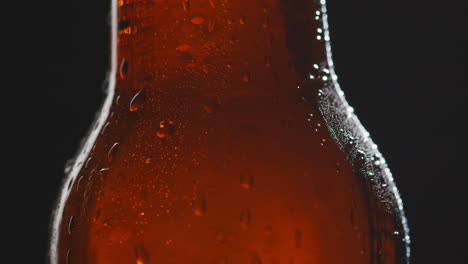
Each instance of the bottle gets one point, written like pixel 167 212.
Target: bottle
pixel 225 138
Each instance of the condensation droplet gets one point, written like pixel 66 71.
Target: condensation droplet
pixel 104 128
pixel 242 20
pixel 69 252
pixel 88 162
pixel 141 254
pixel 323 142
pixel 138 101
pixel 212 3
pixel 183 47
pixel 197 20
pixel 245 219
pixel 338 167
pixel 245 76
pixel 112 151
pixel 267 61
pixel 254 258
pixel 71 224
pixel 68 166
pixel 246 181
pixel 199 206
pixel 123 70
pixel 166 128
pixel 186 5
pixel 221 237
pixel 298 238
pixel 211 24
pixel 268 230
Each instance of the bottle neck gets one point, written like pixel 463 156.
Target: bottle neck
pixel 159 41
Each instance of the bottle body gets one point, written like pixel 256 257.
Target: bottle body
pixel 224 139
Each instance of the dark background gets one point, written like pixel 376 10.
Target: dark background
pixel 402 65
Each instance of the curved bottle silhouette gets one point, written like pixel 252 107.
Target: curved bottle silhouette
pixel 225 138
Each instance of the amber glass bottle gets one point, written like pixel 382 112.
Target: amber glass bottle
pixel 225 138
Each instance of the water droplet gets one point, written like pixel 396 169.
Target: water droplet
pixel 267 61
pixel 221 237
pixel 254 258
pixel 245 219
pixel 246 181
pixel 212 3
pixel 318 127
pixel 338 167
pixel 186 5
pixel 199 205
pixel 298 238
pixel 71 224
pixel 88 162
pixel 68 166
pixel 183 47
pixel 266 22
pixel 211 24
pixel 242 20
pixel 197 20
pixel 166 128
pixel 245 76
pixel 323 142
pixel 137 102
pixel 141 254
pixel 120 2
pixel 70 184
pixel 123 70
pixel 112 151
pixel 69 253
pixel 268 230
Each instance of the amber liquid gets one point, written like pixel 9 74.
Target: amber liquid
pixel 225 140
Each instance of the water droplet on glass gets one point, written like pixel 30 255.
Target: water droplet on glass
pixel 69 252
pixel 221 237
pixel 267 61
pixel 268 230
pixel 212 3
pixel 137 102
pixel 246 181
pixel 71 224
pixel 123 70
pixel 183 47
pixel 242 20
pixel 186 5
pixel 298 238
pixel 254 258
pixel 338 167
pixel 323 142
pixel 245 76
pixel 141 254
pixel 88 162
pixel 112 151
pixel 199 206
pixel 68 166
pixel 197 20
pixel 245 219
pixel 166 128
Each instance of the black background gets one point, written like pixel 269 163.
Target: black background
pixel 402 65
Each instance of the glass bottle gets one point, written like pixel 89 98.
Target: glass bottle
pixel 225 138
